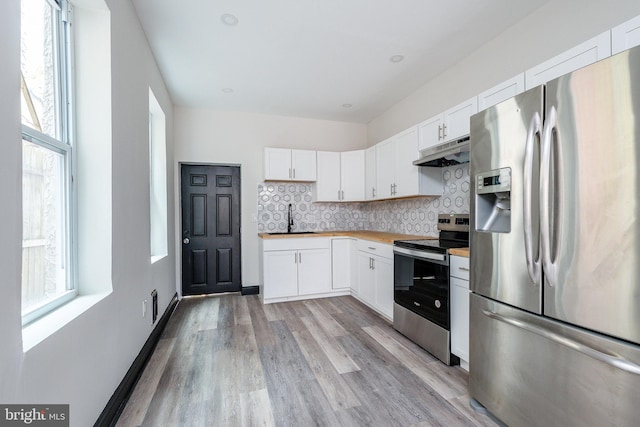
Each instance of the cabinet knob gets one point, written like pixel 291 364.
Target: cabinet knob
pixel 186 240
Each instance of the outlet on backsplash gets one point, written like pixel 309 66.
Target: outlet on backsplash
pixel 412 216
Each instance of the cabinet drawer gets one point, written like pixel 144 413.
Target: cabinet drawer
pixel 459 267
pixel 296 243
pixel 459 283
pixel 376 248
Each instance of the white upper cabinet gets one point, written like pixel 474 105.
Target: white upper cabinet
pixel 284 164
pixel 396 174
pixel 505 90
pixel 406 174
pixel 328 182
pixel 385 168
pixel 451 125
pixel 430 132
pixel 370 177
pixel 352 175
pixel 303 163
pixel 457 119
pixel 277 164
pixel 340 176
pixel 580 56
pixel 625 36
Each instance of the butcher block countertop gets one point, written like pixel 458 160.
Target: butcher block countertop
pixel 460 252
pixel 376 236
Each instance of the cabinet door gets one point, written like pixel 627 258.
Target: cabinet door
pixel 314 271
pixel 366 279
pixel 457 119
pixel 328 177
pixel 383 271
pixel 385 165
pixel 303 163
pixel 277 164
pixel 406 174
pixel 580 56
pixel 342 258
pixel 505 90
pixel 625 36
pixel 430 132
pixel 370 177
pixel 459 292
pixel 280 274
pixel 352 175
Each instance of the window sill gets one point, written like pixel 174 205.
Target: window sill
pixel 39 330
pixel 157 258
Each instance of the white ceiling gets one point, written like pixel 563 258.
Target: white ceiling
pixel 308 58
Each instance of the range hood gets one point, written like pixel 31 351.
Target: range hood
pixel 447 154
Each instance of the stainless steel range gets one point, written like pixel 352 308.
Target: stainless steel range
pixel 421 308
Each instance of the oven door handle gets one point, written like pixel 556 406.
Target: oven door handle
pixel 419 254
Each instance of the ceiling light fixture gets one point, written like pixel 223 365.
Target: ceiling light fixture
pixel 347 105
pixel 227 90
pixel 229 19
pixel 396 58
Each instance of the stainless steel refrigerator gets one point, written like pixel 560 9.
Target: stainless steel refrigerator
pixel 555 250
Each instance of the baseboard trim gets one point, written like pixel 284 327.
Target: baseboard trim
pixel 116 404
pixel 250 290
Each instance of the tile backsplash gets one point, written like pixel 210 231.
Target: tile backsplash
pixel 416 215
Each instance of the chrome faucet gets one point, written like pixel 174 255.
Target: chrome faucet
pixel 289 220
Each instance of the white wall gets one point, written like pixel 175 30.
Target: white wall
pixel 555 27
pixel 84 361
pixel 208 136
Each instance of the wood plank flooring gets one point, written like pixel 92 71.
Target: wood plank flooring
pixel 231 361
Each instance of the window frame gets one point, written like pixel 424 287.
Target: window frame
pixel 64 145
pixel 158 218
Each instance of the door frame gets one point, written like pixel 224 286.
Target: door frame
pixel 178 215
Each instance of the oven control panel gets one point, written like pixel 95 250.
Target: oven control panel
pixel 453 222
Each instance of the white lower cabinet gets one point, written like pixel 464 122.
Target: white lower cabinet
pixel 343 254
pixel 383 271
pixel 314 271
pixel 302 268
pixel 280 274
pixel 459 293
pixel 366 279
pixel 296 267
pixel 375 276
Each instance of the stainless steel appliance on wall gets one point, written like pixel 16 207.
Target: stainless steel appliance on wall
pixel 555 265
pixel 421 309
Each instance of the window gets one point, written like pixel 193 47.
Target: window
pixel 47 157
pixel 157 179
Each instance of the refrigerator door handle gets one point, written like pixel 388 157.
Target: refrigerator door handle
pixel 533 261
pixel 548 265
pixel 601 355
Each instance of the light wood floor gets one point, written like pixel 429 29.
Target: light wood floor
pixel 231 361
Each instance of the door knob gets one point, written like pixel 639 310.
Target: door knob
pixel 186 240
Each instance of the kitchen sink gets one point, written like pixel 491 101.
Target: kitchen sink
pixel 293 232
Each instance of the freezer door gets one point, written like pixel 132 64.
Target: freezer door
pixel 505 265
pixel 532 371
pixel 590 209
